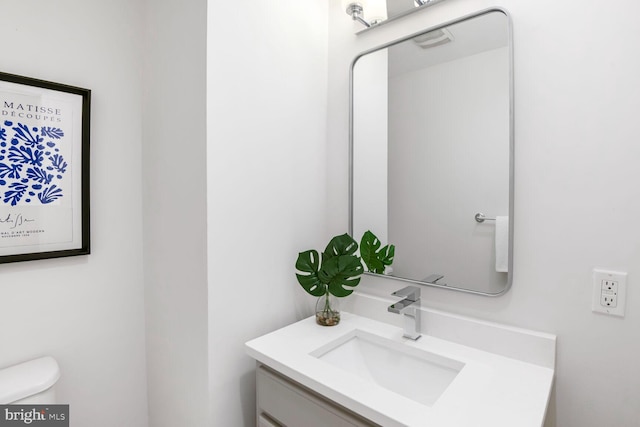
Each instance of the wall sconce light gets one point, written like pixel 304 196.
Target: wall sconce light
pixel 376 9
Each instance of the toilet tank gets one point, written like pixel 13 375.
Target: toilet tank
pixel 29 382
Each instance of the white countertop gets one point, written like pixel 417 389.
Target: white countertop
pixel 491 390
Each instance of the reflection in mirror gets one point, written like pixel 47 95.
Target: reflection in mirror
pixel 432 146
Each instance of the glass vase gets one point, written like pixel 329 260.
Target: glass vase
pixel 327 310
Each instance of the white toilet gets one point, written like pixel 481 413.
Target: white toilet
pixel 30 382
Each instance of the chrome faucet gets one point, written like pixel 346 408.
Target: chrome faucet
pixel 408 307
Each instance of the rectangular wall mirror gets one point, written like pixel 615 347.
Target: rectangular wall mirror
pixel 431 139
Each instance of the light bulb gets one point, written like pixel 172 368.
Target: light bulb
pixel 346 3
pixel 376 10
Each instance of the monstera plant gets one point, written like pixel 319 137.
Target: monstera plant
pixel 376 258
pixel 334 273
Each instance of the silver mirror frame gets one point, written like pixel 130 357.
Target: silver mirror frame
pixel 511 145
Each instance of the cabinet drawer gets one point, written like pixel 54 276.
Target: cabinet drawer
pixel 289 404
pixel 265 421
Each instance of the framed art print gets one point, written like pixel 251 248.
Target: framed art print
pixel 44 169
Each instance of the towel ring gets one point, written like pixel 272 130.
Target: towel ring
pixel 480 217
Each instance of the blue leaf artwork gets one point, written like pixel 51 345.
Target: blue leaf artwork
pixel 49 194
pixel 15 193
pixel 10 170
pixel 31 164
pixel 58 163
pixel 39 175
pixel 26 155
pixel 54 133
pixel 22 132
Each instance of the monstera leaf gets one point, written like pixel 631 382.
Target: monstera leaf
pixel 374 257
pixel 340 245
pixel 341 271
pixel 308 264
pixel 337 271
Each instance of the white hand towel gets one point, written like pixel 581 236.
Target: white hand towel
pixel 502 244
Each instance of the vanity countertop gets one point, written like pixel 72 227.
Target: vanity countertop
pixel 491 390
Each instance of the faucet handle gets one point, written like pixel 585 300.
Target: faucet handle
pixel 412 293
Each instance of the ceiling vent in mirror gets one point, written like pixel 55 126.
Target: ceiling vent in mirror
pixel 434 38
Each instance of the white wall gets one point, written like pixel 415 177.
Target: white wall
pixel 448 159
pixel 175 227
pixel 87 311
pixel 577 199
pixel 266 180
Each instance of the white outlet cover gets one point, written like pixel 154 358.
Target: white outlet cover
pixel 618 292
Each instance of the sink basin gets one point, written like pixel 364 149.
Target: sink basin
pixel 411 372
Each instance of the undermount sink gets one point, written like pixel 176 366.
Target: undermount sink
pixel 411 372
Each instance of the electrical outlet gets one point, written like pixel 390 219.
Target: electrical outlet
pixel 609 292
pixel 609 285
pixel 609 300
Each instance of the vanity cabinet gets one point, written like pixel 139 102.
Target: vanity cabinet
pixel 282 402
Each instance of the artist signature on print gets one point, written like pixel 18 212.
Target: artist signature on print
pixel 16 221
pixel 31 165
